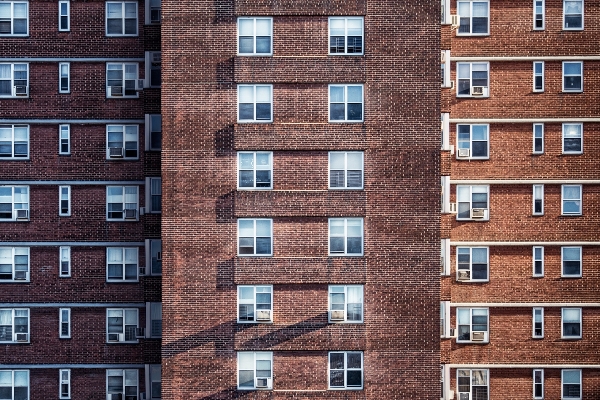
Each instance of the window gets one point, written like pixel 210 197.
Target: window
pixel 121 324
pixel 538 383
pixel 473 142
pixel 14 203
pixel 445 120
pixel 345 370
pixel 571 200
pixel 345 103
pixel 153 11
pixel 572 138
pixel 123 382
pixel 64 139
pixel 539 14
pixel 538 199
pixel 472 202
pixel 255 303
pixel 255 36
pixel 14 79
pixel 472 384
pixel 64 323
pixel 122 141
pixel 345 236
pixel 474 17
pixel 445 319
pixel 472 264
pixel 153 68
pixel 472 325
pixel 346 35
pixel 121 264
pixel 64 198
pixel 121 79
pixel 153 195
pixel 346 170
pixel 473 79
pixel 538 138
pixel 14 18
pixel 64 376
pixel 571 384
pixel 445 256
pixel 255 170
pixel 14 264
pixel 538 76
pixel 538 323
pixel 63 75
pixel 14 142
pixel 154 318
pixel 445 69
pixel 14 384
pixel 63 15
pixel 255 103
pixel 154 256
pixel 121 18
pixel 573 14
pixel 255 237
pixel 571 323
pixel 121 203
pixel 572 76
pixel 14 325
pixel 538 261
pixel 255 370
pixel 445 11
pixel 445 194
pixel 346 303
pixel 65 261
pixel 571 262
pixel 155 381
pixel 153 132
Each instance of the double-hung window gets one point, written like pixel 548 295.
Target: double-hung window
pixel 473 79
pixel 571 384
pixel 153 130
pixel 14 325
pixel 539 14
pixel 571 200
pixel 123 382
pixel 572 76
pixel 255 103
pixel 538 76
pixel 64 323
pixel 153 69
pixel 572 138
pixel 122 203
pixel 121 324
pixel 14 18
pixel 345 370
pixel 571 323
pixel 346 35
pixel 346 303
pixel 153 11
pixel 472 264
pixel 255 370
pixel 14 142
pixel 64 139
pixel 538 323
pixel 346 169
pixel 154 256
pixel 571 262
pixel 65 261
pixel 154 319
pixel 538 383
pixel 255 303
pixel 572 14
pixel 538 261
pixel 153 195
pixel 538 199
pixel 14 79
pixel 472 384
pixel 64 9
pixel 445 69
pixel 345 236
pixel 255 170
pixel 121 79
pixel 154 372
pixel 64 200
pixel 121 18
pixel 538 138
pixel 64 77
pixel 121 264
pixel 346 103
pixel 14 264
pixel 474 17
pixel 64 391
pixel 473 202
pixel 14 203
pixel 255 237
pixel 472 325
pixel 255 36
pixel 473 142
pixel 14 384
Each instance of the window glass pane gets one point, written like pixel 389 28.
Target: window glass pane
pixel 336 94
pixel 354 94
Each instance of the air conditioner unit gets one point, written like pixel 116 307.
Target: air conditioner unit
pixel 477 336
pixel 115 91
pixel 22 214
pixel 142 210
pixel 22 337
pixel 139 85
pixel 159 256
pixel 20 275
pixel 263 382
pixel 477 90
pixel 140 333
pixel 455 20
pixel 478 213
pixel 130 213
pixel 116 337
pixel 142 270
pixel 20 90
pixel 115 152
pixel 464 276
pixel 463 153
pixel 336 315
pixel 453 208
pixel 115 396
pixel 452 332
pixel 451 395
pixel 263 315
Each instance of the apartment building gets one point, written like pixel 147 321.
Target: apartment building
pixel 520 309
pixel 80 200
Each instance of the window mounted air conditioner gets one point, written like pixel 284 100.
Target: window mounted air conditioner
pixel 20 275
pixel 22 214
pixel 115 152
pixel 455 20
pixel 477 336
pixel 115 396
pixel 453 208
pixel 139 85
pixel 130 213
pixel 140 333
pixel 20 90
pixel 22 337
pixel 263 315
pixel 142 270
pixel 336 315
pixel 116 337
pixel 263 382
pixel 463 153
pixel 452 332
pixel 115 91
pixel 478 213
pixel 159 256
pixel 464 276
pixel 451 395
pixel 142 211
pixel 477 90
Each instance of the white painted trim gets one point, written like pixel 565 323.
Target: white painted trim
pixel 526 366
pixel 525 305
pixel 522 120
pixel 525 58
pixel 541 243
pixel 524 181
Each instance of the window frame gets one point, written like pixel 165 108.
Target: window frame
pixel 566 76
pixel 254 36
pixel 151 194
pixel 582 16
pixel 445 69
pixel 471 377
pixel 126 135
pixel 64 130
pixel 150 318
pixel 264 356
pixel 537 318
pixel 14 142
pixel 123 374
pixel 541 12
pixel 255 237
pixel 12 79
pixel 486 335
pixel 470 18
pixel 563 260
pixel 151 120
pixel 64 76
pixel 13 339
pixel 66 15
pixel 346 103
pixel 151 64
pixel 538 200
pixel 127 91
pixel 484 189
pixel 577 201
pixel 346 169
pixel 471 263
pixel 254 302
pixel 124 325
pixel 123 203
pixel 123 19
pixel 12 20
pixel 345 370
pixel 64 258
pixel 152 255
pixel 563 383
pixel 538 87
pixel 123 263
pixel 64 320
pixel 460 143
pixel 61 199
pixel 346 36
pixel 13 202
pixel 579 322
pixel 16 251
pixel 152 376
pixel 13 379
pixel 148 11
pixel 565 131
pixel 538 259
pixel 254 169
pixel 538 136
pixel 538 373
pixel 255 103
pixel 346 304
pixel 468 81
pixel 64 383
pixel 445 256
pixel 346 238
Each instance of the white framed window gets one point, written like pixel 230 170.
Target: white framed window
pixel 473 79
pixel 472 384
pixel 346 169
pixel 538 199
pixel 121 324
pixel 474 17
pixel 153 195
pixel 64 388
pixel 154 319
pixel 155 381
pixel 255 237
pixel 572 135
pixel 572 14
pixel 538 383
pixel 445 256
pixel 64 200
pixel 65 261
pixel 122 142
pixel 571 199
pixel 346 303
pixel 473 325
pixel 121 79
pixel 473 141
pixel 346 236
pixel 14 78
pixel 445 69
pixel 123 382
pixel 571 384
pixel 153 11
pixel 254 370
pixel 442 380
pixel 64 85
pixel 14 142
pixel 14 264
pixel 538 138
pixel 122 203
pixel 572 76
pixel 445 120
pixel 154 256
pixel 64 9
pixel 64 139
pixel 255 303
pixel 473 202
pixel 14 203
pixel 538 323
pixel 444 322
pixel 538 76
pixel 14 18
pixel 255 36
pixel 445 194
pixel 121 264
pixel 121 18
pixel 346 103
pixel 445 9
pixel 153 69
pixel 153 128
pixel 345 370
pixel 539 15
pixel 571 262
pixel 15 383
pixel 255 103
pixel 571 323
pixel 538 261
pixel 346 35
pixel 14 325
pixel 64 323
pixel 255 170
pixel 472 264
